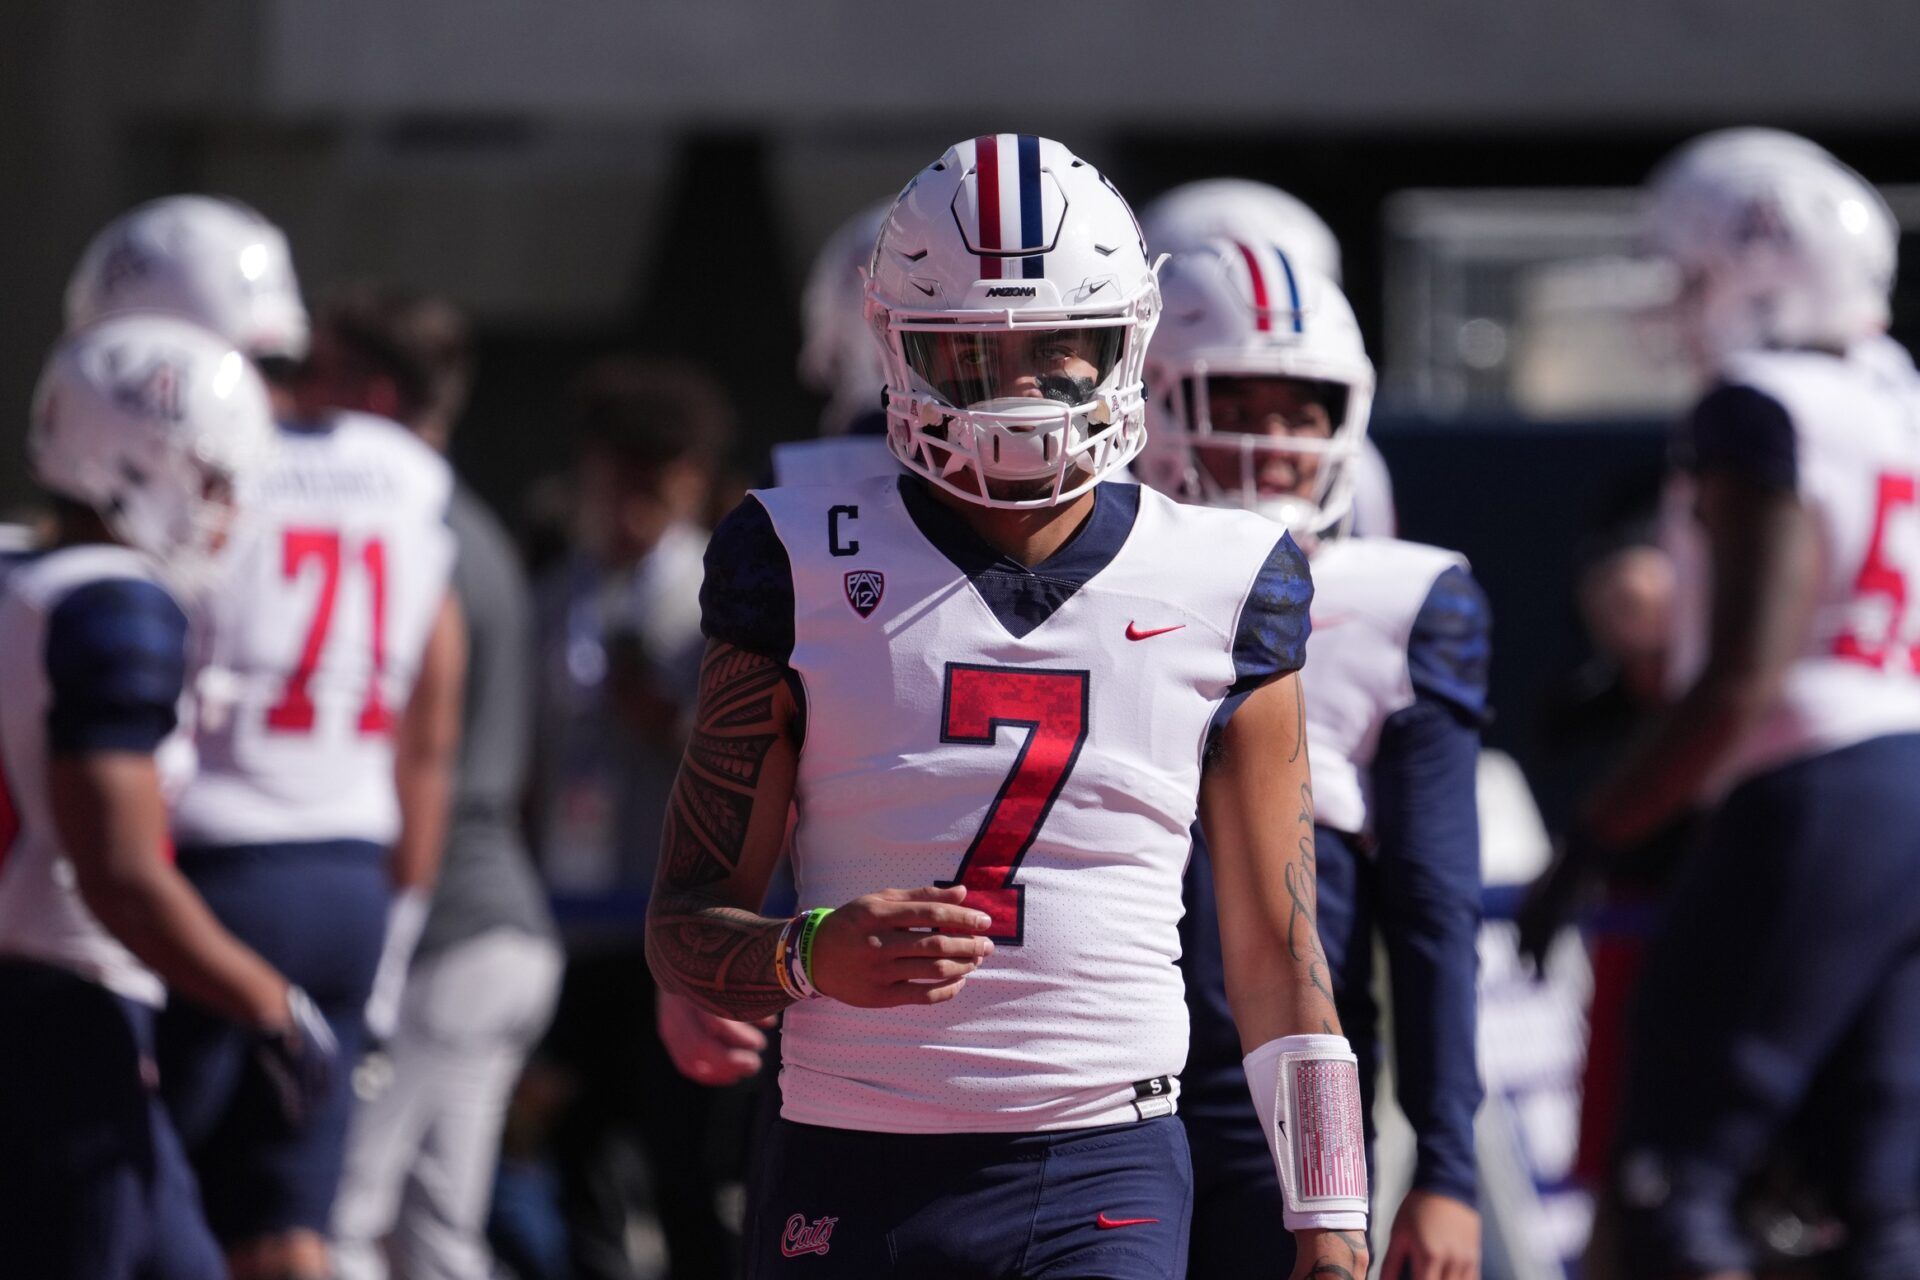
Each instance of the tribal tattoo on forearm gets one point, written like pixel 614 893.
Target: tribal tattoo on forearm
pixel 1303 930
pixel 1354 1243
pixel 718 955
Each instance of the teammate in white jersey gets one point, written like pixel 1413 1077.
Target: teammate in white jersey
pixel 1195 214
pixel 1787 979
pixel 144 428
pixel 1262 390
pixel 1012 683
pixel 326 720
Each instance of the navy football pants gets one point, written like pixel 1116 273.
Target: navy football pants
pixel 1786 972
pixel 1109 1203
pixel 318 913
pixel 93 1183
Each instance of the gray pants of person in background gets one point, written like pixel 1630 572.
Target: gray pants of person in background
pixel 422 1152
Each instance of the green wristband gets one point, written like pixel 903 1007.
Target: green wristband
pixel 808 930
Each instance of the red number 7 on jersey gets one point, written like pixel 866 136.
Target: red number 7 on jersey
pixel 1053 707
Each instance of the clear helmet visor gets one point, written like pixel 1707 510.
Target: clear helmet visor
pixel 987 370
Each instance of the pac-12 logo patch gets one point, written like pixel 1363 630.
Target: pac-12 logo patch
pixel 802 1237
pixel 864 589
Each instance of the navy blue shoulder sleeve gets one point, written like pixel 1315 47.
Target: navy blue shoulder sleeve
pixel 1270 637
pixel 116 659
pixel 747 596
pixel 1451 645
pixel 1743 431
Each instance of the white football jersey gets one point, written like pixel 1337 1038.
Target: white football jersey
pixel 1366 594
pixel 42 915
pixel 315 638
pixel 1846 434
pixel 1038 737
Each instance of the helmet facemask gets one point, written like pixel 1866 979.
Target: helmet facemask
pixel 1014 335
pixel 1028 413
pixel 1301 477
pixel 1261 389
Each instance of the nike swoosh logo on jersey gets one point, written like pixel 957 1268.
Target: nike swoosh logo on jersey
pixel 1107 1224
pixel 1135 633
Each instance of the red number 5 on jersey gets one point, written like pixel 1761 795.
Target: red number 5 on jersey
pixel 293 712
pixel 1052 705
pixel 1883 576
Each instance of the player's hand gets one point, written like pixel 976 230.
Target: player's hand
pixel 706 1048
pixel 300 1057
pixel 1435 1237
pixel 876 951
pixel 1330 1255
pixel 1555 899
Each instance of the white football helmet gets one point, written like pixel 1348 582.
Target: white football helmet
pixel 1775 244
pixel 1006 253
pixel 1191 215
pixel 1236 309
pixel 156 424
pixel 837 357
pixel 214 261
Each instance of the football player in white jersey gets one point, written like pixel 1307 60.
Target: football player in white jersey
pixel 326 721
pixel 1261 391
pixel 144 428
pixel 1239 210
pixel 1791 952
pixel 1013 687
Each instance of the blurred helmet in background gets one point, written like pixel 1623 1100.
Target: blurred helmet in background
pixel 1190 216
pixel 213 261
pixel 838 359
pixel 155 424
pixel 1013 301
pixel 1775 244
pixel 1239 315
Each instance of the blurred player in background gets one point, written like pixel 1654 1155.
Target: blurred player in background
pixel 1007 704
pixel 839 360
pixel 1789 966
pixel 480 990
pixel 326 722
pixel 1239 210
pixel 1261 396
pixel 619 654
pixel 145 429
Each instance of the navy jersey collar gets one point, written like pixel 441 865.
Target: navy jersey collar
pixel 1021 597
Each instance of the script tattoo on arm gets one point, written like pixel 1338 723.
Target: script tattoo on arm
pixel 1303 928
pixel 1300 721
pixel 725 818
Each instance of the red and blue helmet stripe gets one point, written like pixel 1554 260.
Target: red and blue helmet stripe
pixel 1011 206
pixel 1270 270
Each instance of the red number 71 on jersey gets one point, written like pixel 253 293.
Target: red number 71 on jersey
pixel 293 711
pixel 1053 706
